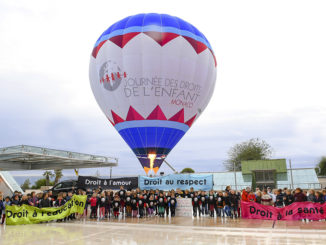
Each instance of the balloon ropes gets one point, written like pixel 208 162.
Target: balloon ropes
pixel 152 75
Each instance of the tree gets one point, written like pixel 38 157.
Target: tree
pixel 253 149
pixel 187 171
pixel 41 182
pixel 26 184
pixel 58 175
pixel 48 175
pixel 321 167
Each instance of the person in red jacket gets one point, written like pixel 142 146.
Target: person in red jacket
pixel 93 202
pixel 244 195
pixel 251 197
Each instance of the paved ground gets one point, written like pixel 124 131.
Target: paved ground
pixel 156 231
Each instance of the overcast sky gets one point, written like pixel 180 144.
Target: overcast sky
pixel 271 78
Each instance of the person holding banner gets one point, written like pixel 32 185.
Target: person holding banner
pixel 45 202
pixel 60 202
pixel 288 198
pixel 299 196
pixel 266 199
pixel 319 198
pixel 279 199
pixel 312 196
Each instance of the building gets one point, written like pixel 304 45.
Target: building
pixel 267 173
pixel 8 184
pixel 24 157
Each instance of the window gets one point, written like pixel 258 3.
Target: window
pixel 58 186
pixel 265 176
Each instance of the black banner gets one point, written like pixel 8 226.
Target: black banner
pixel 88 182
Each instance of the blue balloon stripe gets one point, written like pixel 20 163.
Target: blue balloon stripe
pixel 156 28
pixel 152 123
pixel 139 136
pixel 127 139
pixel 156 19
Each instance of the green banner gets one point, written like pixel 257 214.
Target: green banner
pixel 25 214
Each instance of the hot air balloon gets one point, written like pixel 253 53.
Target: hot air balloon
pixel 152 75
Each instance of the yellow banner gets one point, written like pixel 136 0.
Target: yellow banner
pixel 25 214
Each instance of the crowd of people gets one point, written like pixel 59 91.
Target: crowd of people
pixel 138 203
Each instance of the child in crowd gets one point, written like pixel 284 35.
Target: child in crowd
pixel 279 199
pixel 141 206
pixel 251 197
pixel 106 204
pixel 7 202
pixel 134 206
pixel 288 198
pixel 15 200
pixel 24 200
pixel 258 196
pixel 191 193
pixel 2 208
pixel 128 204
pixel 122 195
pixel 116 206
pixel 93 203
pixel 102 206
pixel 45 202
pixel 220 205
pixel 167 203
pixel 211 203
pixel 33 201
pixel 156 194
pixel 151 205
pixel 196 205
pixel 299 195
pixel 59 202
pixel 234 202
pixel 312 196
pixel 203 200
pixel 266 199
pixel 227 204
pixel 173 204
pixel 324 195
pixel 161 204
pixel 319 198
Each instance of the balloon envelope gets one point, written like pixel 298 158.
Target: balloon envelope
pixel 152 75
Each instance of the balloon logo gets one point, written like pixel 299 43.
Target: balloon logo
pixel 152 75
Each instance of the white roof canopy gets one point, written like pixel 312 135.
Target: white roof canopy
pixel 25 157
